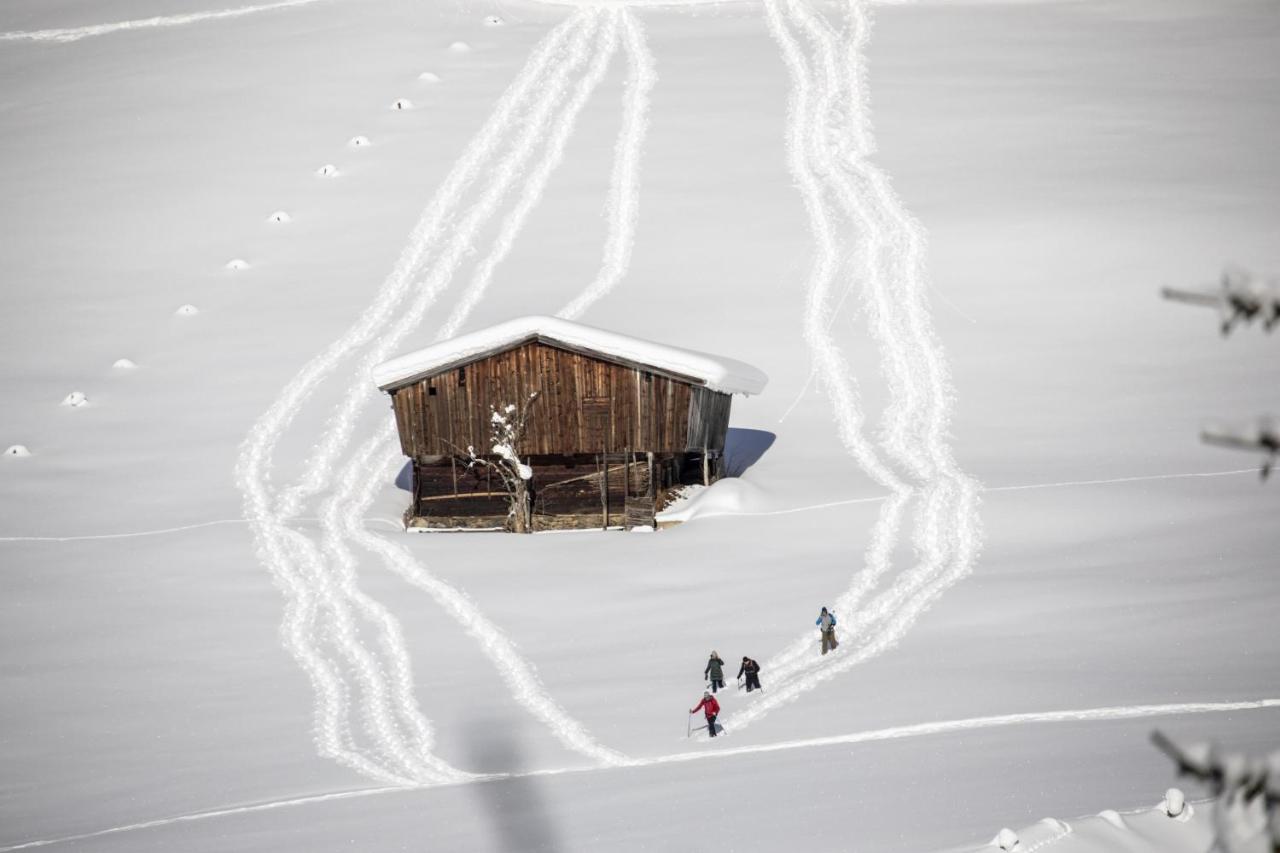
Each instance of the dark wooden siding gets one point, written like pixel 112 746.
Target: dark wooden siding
pixel 586 406
pixel 616 489
pixel 708 419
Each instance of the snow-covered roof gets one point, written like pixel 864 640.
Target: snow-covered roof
pixel 719 374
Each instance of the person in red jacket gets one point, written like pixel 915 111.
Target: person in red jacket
pixel 711 708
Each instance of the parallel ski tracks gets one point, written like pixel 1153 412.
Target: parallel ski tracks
pixel 367 716
pixel 855 215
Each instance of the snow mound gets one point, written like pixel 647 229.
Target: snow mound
pixel 429 77
pixel 17 450
pixel 328 170
pixel 75 400
pixel 493 21
pixel 1143 831
pixel 280 217
pixel 729 496
pixel 124 364
pixel 237 264
pixel 359 142
pixel 460 47
pixel 1175 805
pixel 1006 839
pixel 187 310
pixel 402 104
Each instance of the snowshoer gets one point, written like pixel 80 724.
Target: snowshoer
pixel 752 670
pixel 826 623
pixel 714 671
pixel 711 708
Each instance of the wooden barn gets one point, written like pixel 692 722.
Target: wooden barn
pixel 618 423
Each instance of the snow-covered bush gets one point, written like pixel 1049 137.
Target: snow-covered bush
pixel 279 217
pixel 124 364
pixel 1175 802
pixel 237 264
pixel 507 426
pixel 75 400
pixel 402 104
pixel 17 450
pixel 493 21
pixel 1007 839
pixel 328 170
pixel 187 310
pixel 359 142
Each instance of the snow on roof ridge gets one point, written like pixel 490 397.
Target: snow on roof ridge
pixel 719 374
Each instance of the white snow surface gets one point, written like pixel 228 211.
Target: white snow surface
pixel 716 372
pixel 942 238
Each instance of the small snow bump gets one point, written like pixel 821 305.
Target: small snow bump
pixel 359 142
pixel 1112 817
pixel 429 77
pixel 125 364
pixel 75 400
pixel 460 47
pixel 1175 802
pixel 1007 839
pixel 17 450
pixel 187 310
pixel 328 170
pixel 280 217
pixel 493 21
pixel 402 104
pixel 237 264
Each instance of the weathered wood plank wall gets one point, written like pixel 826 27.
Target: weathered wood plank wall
pixel 586 405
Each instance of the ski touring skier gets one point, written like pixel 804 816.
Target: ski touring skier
pixel 752 670
pixel 711 708
pixel 714 671
pixel 826 623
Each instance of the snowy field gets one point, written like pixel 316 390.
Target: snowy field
pixel 941 236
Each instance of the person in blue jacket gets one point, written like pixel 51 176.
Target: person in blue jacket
pixel 826 623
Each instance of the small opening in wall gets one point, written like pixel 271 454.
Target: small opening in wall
pixel 431 390
pixel 462 376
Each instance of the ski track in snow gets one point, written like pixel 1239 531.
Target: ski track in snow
pixel 324 605
pixel 70 34
pixel 624 190
pixel 829 143
pixel 320 586
pixel 363 475
pixel 945 727
pixel 358 493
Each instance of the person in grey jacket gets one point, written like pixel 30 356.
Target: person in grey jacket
pixel 714 671
pixel 826 623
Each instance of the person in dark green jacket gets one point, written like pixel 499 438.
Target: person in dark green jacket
pixel 714 671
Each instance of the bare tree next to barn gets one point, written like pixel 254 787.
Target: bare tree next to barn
pixel 507 426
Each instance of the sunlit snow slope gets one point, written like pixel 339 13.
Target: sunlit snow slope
pixel 939 228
